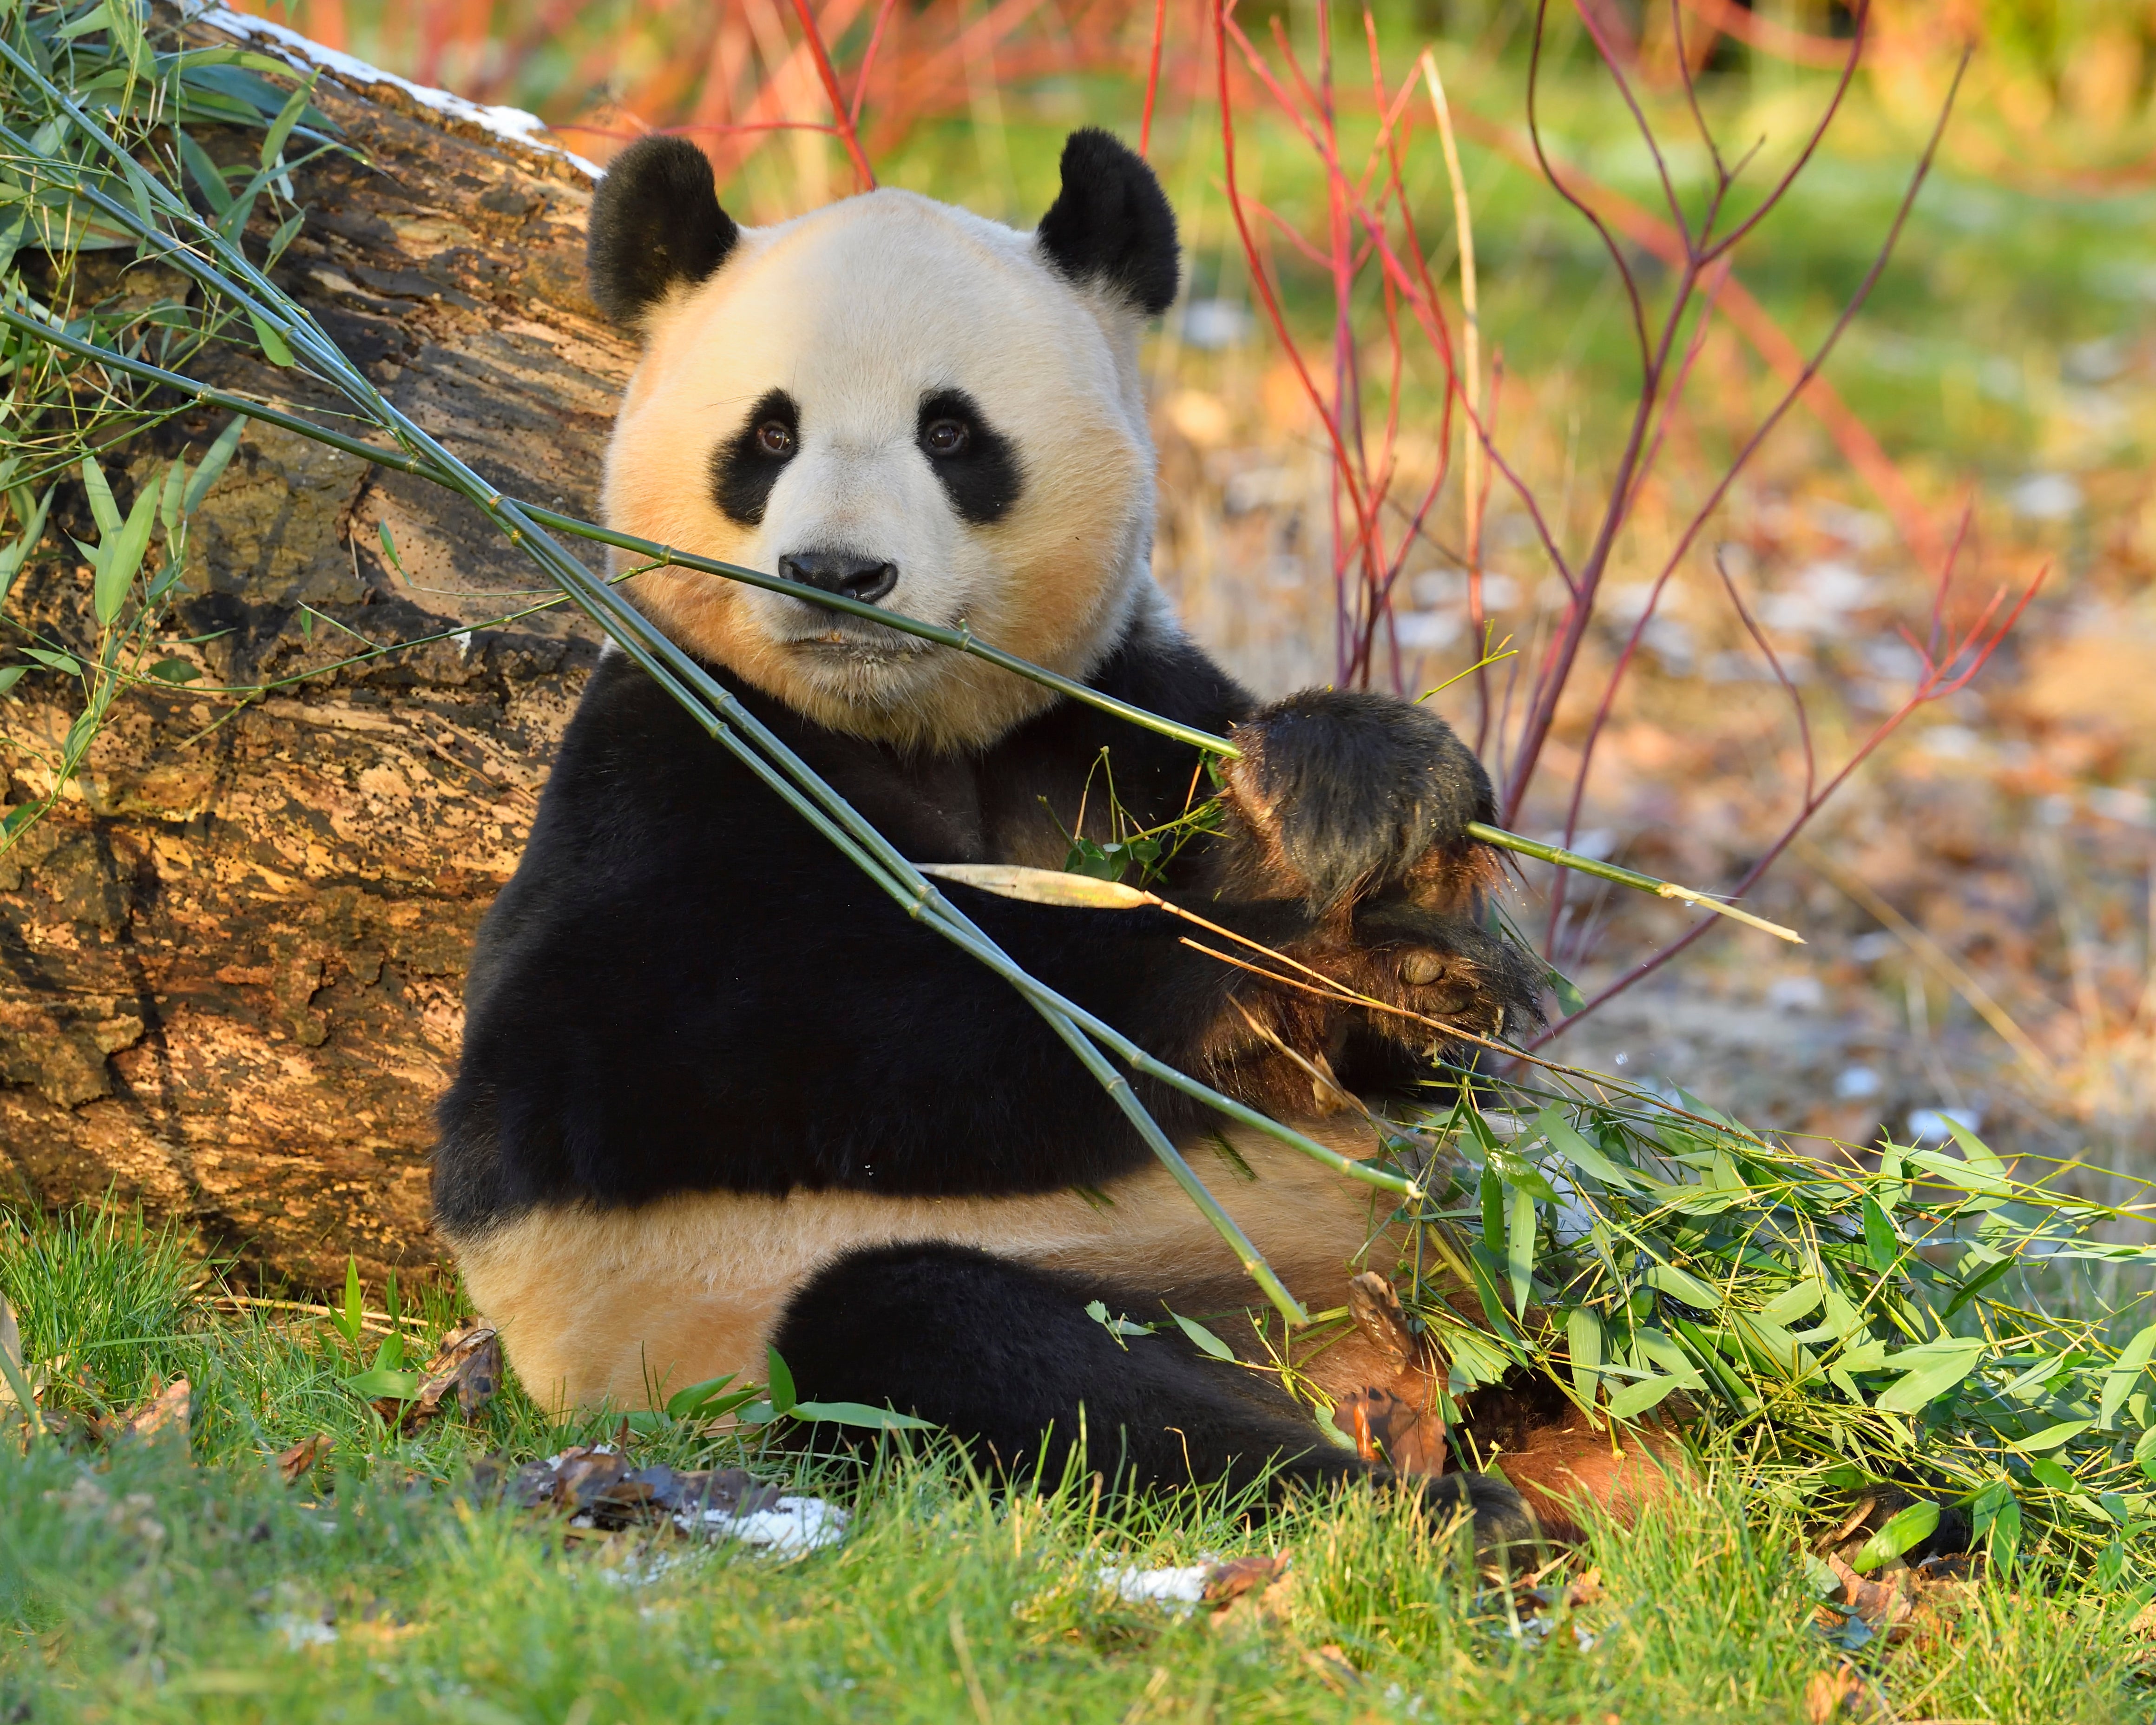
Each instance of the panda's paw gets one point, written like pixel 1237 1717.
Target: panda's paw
pixel 1507 1535
pixel 1342 792
pixel 1445 967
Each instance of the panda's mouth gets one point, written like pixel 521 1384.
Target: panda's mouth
pixel 864 644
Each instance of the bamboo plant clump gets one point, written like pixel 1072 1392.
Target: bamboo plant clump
pixel 1832 1326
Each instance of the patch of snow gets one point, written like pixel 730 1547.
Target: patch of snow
pixel 1796 993
pixel 1182 1586
pixel 2045 497
pixel 303 1631
pixel 1214 324
pixel 1429 630
pixel 791 1528
pixel 1857 1082
pixel 513 124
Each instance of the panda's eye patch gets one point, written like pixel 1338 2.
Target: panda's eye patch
pixel 946 438
pixel 747 465
pixel 975 464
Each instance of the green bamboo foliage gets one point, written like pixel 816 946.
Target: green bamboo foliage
pixel 1846 1327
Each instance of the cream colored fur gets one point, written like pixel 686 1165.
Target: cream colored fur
pixel 616 1306
pixel 858 311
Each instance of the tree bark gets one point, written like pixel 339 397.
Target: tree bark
pixel 231 964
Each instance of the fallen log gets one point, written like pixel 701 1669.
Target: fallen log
pixel 232 958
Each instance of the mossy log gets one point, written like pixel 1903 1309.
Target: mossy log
pixel 231 959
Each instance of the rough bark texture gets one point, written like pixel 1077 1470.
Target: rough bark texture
pixel 231 965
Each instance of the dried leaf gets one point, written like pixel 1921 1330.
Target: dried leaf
pixel 165 1416
pixel 1041 886
pixel 294 1462
pixel 1839 1694
pixel 467 1365
pixel 1230 1581
pixel 1882 1606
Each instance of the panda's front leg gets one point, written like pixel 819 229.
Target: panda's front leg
pixel 1341 794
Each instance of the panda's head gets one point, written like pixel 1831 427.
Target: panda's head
pixel 896 400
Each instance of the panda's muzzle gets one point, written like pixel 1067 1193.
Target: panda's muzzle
pixel 842 573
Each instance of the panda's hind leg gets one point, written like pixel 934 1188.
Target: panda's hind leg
pixel 1004 1358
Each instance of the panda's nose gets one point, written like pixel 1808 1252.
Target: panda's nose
pixel 840 573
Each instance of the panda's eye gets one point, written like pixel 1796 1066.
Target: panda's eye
pixel 775 438
pixel 946 438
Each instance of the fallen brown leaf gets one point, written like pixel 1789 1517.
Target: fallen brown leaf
pixel 600 1483
pixel 302 1455
pixel 1232 1579
pixel 1250 1593
pixel 1839 1694
pixel 165 1415
pixel 467 1366
pixel 1586 1590
pixel 1884 1608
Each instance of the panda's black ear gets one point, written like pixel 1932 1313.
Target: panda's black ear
pixel 1110 222
pixel 655 223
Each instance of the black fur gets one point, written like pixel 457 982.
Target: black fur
pixel 1111 223
pixel 655 223
pixel 1377 782
pixel 687 989
pixel 742 472
pixel 1037 1377
pixel 981 476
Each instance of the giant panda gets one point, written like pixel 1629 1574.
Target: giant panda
pixel 718 1093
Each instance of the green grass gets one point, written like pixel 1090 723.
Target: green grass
pixel 138 1581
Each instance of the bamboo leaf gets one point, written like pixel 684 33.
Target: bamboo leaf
pixel 213 464
pixel 1881 1245
pixel 280 128
pixel 2119 1382
pixel 1683 1284
pixel 1905 1528
pixel 1938 1368
pixel 272 343
pixel 683 1403
pixel 206 174
pixel 123 556
pixel 1573 1145
pixel 858 1413
pixel 1995 1521
pixel 1493 1214
pixel 102 509
pixel 1634 1399
pixel 1520 1247
pixel 2053 1436
pixel 1032 886
pixel 1204 1338
pixel 1583 1336
pixel 1793 1302
pixel 2049 1472
pixel 781 1384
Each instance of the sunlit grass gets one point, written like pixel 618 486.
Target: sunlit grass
pixel 139 1582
